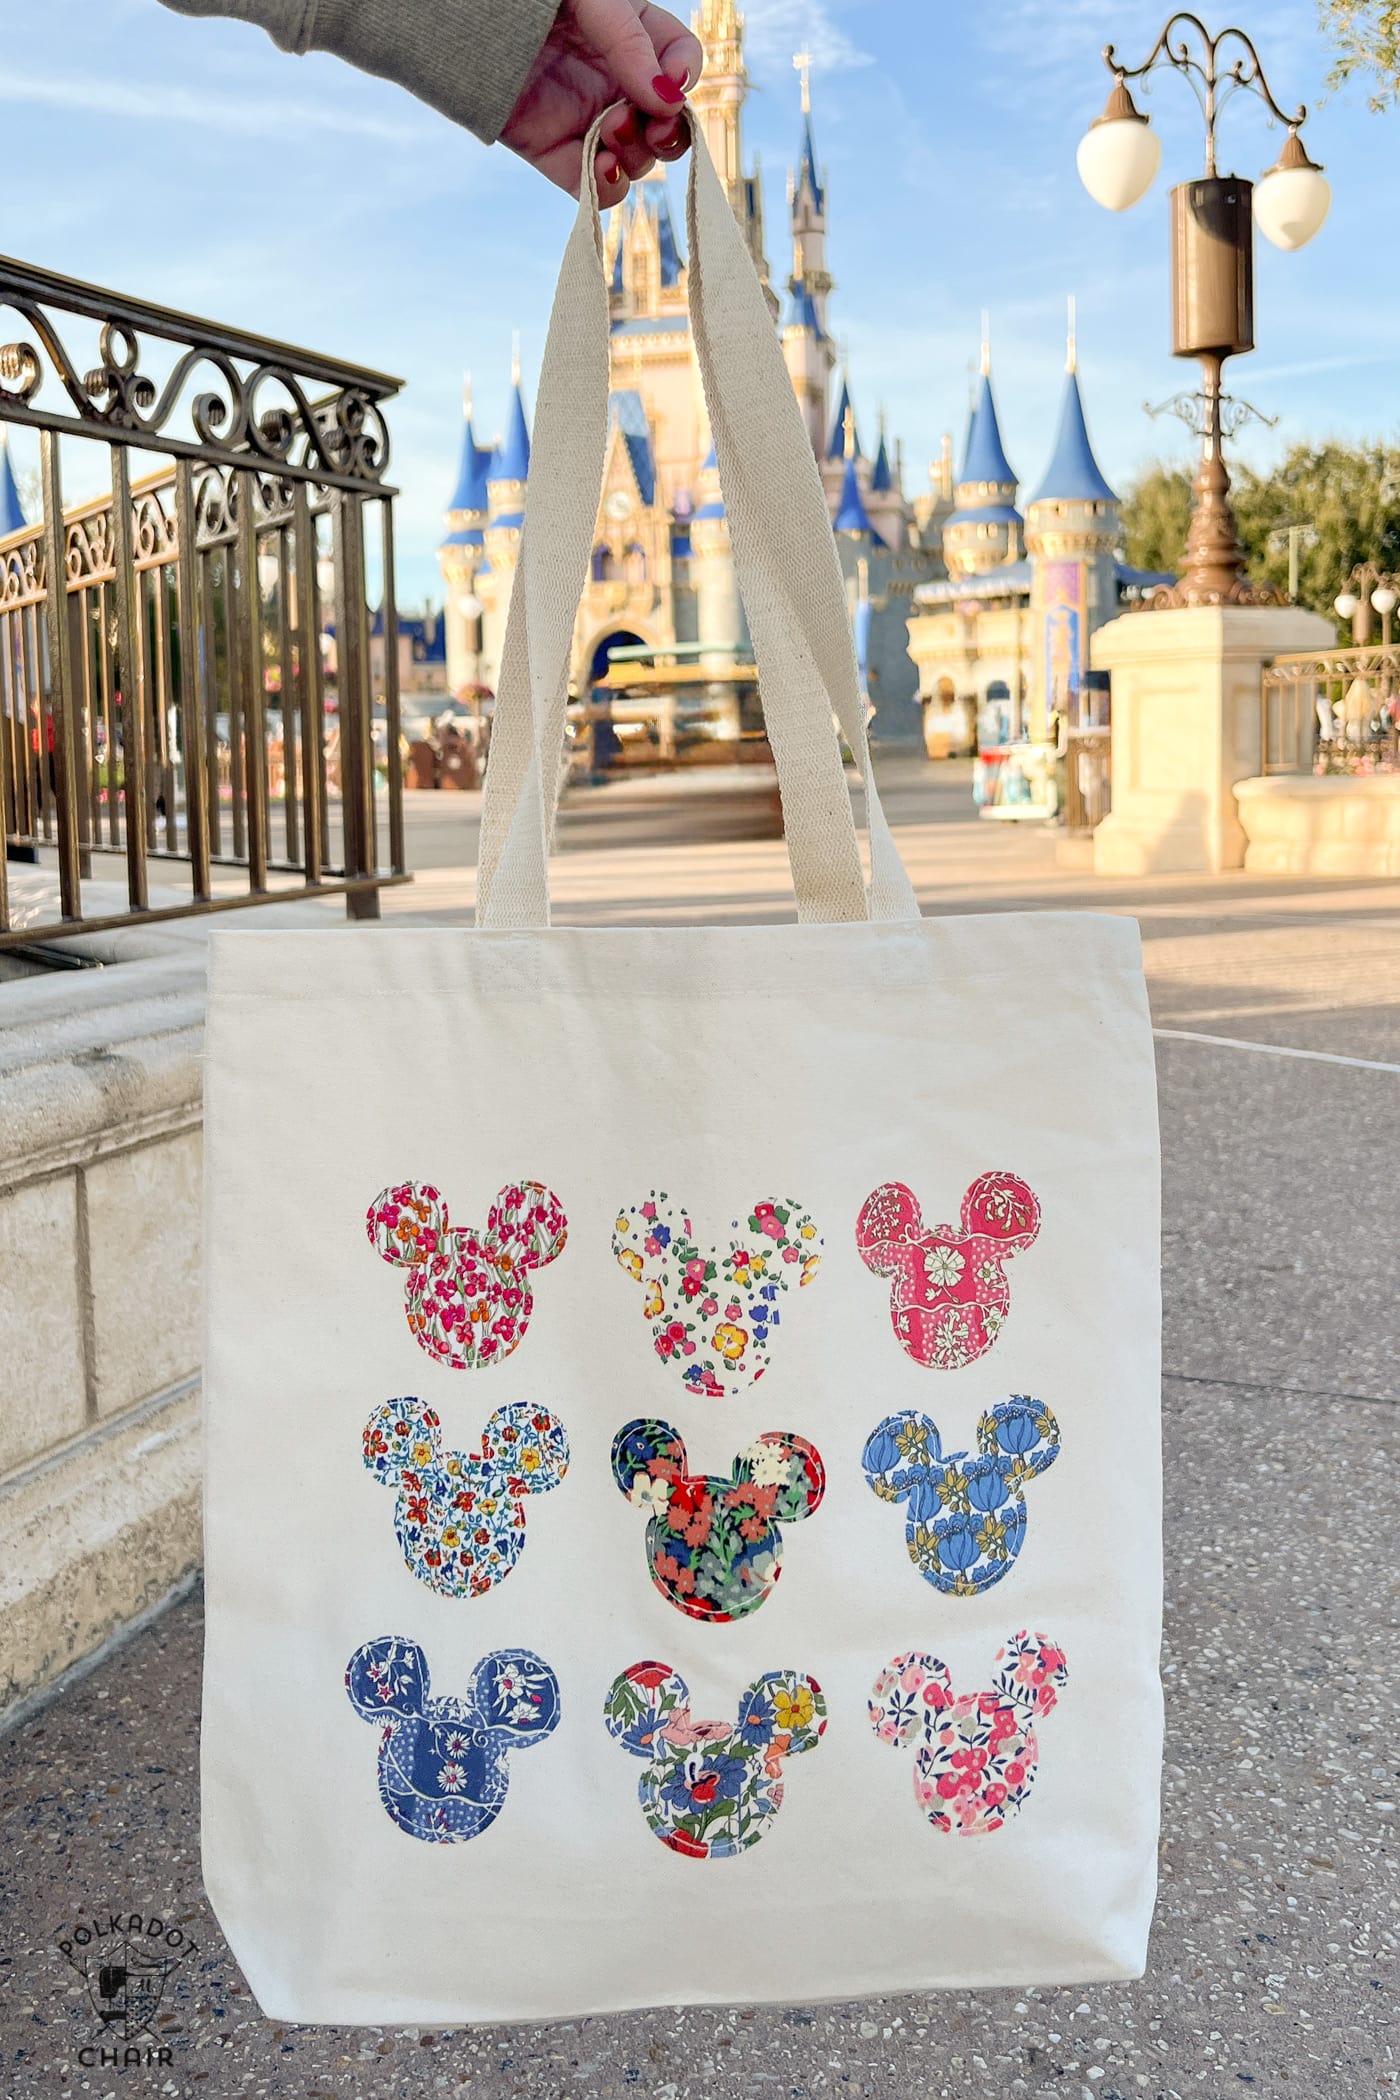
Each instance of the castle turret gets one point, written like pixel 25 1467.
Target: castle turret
pixel 462 554
pixel 507 474
pixel 718 99
pixel 808 350
pixel 985 528
pixel 1072 530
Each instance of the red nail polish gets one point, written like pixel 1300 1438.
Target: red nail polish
pixel 611 171
pixel 668 89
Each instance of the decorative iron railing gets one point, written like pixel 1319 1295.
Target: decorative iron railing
pixel 1331 713
pixel 180 698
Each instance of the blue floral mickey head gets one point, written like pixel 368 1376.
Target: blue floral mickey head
pixel 442 1762
pixel 967 1516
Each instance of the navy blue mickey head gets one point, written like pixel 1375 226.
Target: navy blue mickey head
pixel 442 1762
pixel 967 1516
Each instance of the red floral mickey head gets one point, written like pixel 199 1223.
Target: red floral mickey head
pixel 467 1295
pixel 949 1291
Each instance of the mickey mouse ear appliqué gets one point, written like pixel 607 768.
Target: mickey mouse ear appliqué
pixel 949 1291
pixel 468 1293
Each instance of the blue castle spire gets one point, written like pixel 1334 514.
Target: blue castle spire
pixel 882 477
pixel 511 461
pixel 836 449
pixel 1073 475
pixel 12 518
pixel 985 458
pixel 468 501
pixel 852 515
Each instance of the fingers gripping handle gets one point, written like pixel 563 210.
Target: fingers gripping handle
pixel 784 553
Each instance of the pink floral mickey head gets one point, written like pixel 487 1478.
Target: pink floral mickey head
pixel 467 1295
pixel 949 1291
pixel 977 1762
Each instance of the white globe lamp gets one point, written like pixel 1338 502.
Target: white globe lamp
pixel 1119 154
pixel 1292 201
pixel 1346 605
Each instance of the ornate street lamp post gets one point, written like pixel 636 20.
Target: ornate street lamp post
pixel 1212 258
pixel 1367 586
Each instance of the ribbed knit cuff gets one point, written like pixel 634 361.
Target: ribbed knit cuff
pixel 467 58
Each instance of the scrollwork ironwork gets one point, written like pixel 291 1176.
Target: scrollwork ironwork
pixel 213 400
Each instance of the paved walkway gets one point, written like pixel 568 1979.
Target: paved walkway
pixel 1273 1959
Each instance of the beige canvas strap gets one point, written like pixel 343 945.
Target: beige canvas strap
pixel 784 555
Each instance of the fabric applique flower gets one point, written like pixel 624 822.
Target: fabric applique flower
pixel 460 1517
pixel 714 1313
pixel 977 1763
pixel 714 1542
pixel 468 1295
pixel 709 1791
pixel 442 1764
pixel 966 1513
pixel 949 1292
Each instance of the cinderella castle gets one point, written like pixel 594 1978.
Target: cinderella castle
pixel 661 607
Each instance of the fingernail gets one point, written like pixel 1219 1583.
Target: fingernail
pixel 610 171
pixel 668 140
pixel 628 131
pixel 668 89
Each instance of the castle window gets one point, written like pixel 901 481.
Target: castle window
pixel 634 563
pixel 605 564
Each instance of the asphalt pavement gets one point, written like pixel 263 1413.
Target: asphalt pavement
pixel 1273 1959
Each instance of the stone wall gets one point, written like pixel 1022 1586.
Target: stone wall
pixel 100 1202
pixel 1334 824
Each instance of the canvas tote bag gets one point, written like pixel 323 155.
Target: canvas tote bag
pixel 683 1458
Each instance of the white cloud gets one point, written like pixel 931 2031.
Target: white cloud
pixel 160 102
pixel 775 29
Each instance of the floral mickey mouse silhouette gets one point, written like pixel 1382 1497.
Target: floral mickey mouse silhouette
pixel 967 1516
pixel 442 1762
pixel 460 1516
pixel 713 1543
pixel 713 1315
pixel 949 1293
pixel 467 1295
pixel 977 1763
pixel 710 1790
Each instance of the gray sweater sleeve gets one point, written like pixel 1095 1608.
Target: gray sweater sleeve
pixel 467 58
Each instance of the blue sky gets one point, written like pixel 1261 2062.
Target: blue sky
pixel 192 163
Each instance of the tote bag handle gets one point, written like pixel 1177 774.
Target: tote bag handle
pixel 784 555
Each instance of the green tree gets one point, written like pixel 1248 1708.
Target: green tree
pixel 1156 513
pixel 1347 497
pixel 1366 34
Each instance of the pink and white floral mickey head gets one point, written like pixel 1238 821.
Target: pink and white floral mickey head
pixel 468 1293
pixel 977 1762
pixel 949 1291
pixel 714 1312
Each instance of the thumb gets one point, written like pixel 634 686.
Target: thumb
pixel 651 70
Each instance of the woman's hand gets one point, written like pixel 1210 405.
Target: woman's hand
pixel 600 52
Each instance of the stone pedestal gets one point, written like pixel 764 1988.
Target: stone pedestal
pixel 1186 728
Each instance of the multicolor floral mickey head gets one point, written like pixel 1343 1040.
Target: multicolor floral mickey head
pixel 442 1762
pixel 713 1315
pixel 710 1789
pixel 977 1763
pixel 713 1543
pixel 460 1516
pixel 949 1293
pixel 467 1295
pixel 967 1516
